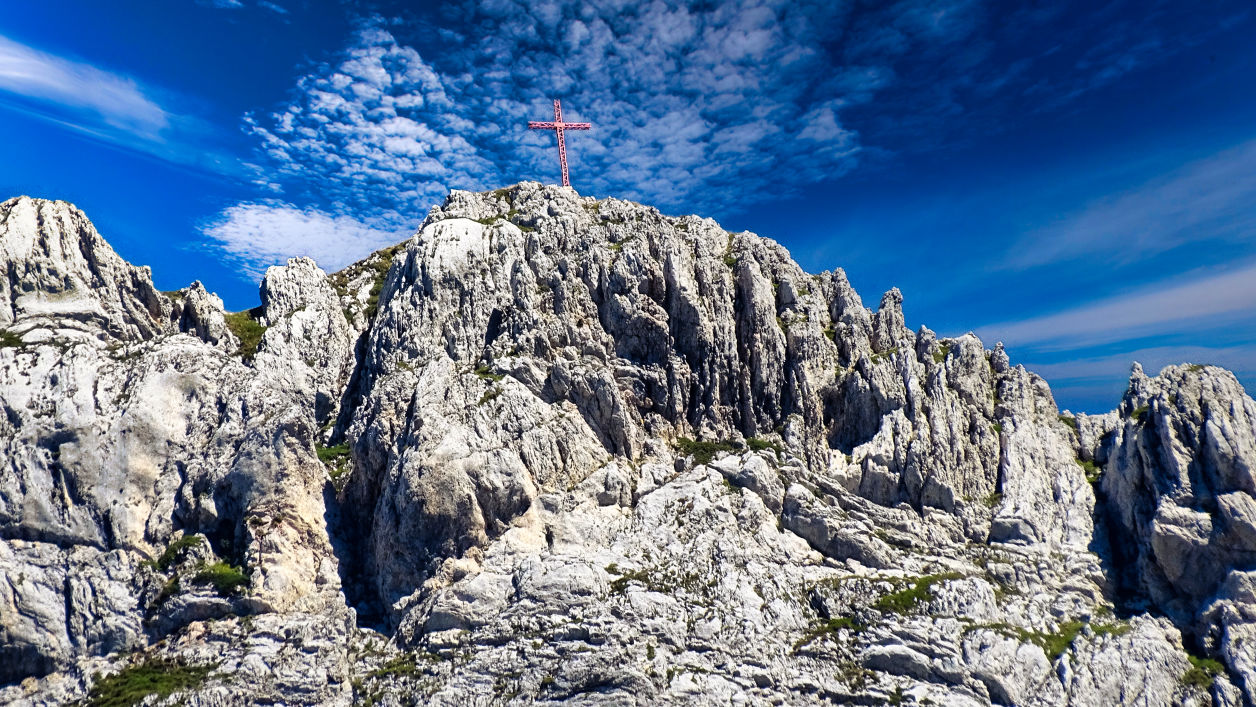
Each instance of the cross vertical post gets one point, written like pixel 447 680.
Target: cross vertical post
pixel 558 126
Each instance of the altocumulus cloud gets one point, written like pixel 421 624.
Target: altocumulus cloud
pixel 264 233
pixel 700 109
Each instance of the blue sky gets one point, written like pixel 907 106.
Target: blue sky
pixel 1077 182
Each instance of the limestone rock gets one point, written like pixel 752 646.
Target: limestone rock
pixel 558 448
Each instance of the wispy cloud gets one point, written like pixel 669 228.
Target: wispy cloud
pixel 53 82
pixel 1206 202
pixel 1240 359
pixel 107 106
pixel 1161 308
pixel 257 235
pixel 1095 383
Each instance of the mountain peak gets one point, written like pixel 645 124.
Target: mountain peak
pixel 64 281
pixel 585 450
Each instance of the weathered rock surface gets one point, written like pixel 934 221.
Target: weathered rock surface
pixel 571 449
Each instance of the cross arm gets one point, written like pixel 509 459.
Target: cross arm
pixel 551 125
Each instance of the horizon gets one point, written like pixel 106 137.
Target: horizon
pixel 1076 183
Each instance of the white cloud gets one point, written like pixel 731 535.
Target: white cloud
pixel 50 81
pixel 1202 303
pixel 684 103
pixel 109 107
pixel 257 235
pixel 1239 359
pixel 1095 383
pixel 375 135
pixel 1209 199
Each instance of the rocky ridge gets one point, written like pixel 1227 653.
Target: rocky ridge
pixel 559 448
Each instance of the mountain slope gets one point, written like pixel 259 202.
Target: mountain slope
pixel 575 449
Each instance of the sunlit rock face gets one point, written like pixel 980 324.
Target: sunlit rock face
pixel 559 448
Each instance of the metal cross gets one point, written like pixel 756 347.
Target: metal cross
pixel 559 126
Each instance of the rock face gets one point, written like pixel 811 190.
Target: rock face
pixel 556 448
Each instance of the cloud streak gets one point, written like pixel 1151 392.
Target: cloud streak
pixel 1210 200
pixel 1240 359
pixel 52 82
pixel 1197 304
pixel 109 107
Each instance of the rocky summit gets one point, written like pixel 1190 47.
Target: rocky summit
pixel 555 448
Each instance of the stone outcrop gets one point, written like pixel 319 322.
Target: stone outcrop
pixel 558 448
pixel 1180 477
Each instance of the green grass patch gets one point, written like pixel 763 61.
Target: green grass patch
pixel 1116 628
pixel 399 667
pixel 759 445
pixel 486 373
pixel 831 628
pixel 1053 644
pixel 1070 421
pixel 998 429
pixel 830 333
pixel 331 455
pixel 1140 413
pixel 919 592
pixel 940 355
pixel 9 340
pixel 490 395
pixel 335 458
pixel 1093 470
pixel 224 578
pixel 884 355
pixel 175 550
pixel 1195 367
pixel 702 451
pixel 380 268
pixel 655 580
pixel 619 245
pixel 133 684
pixel 993 500
pixel 730 260
pixel 1202 672
pixel 247 329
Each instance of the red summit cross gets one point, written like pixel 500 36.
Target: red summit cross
pixel 559 126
